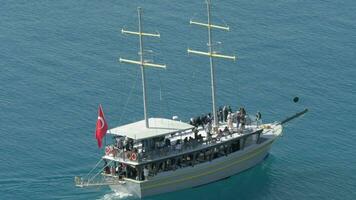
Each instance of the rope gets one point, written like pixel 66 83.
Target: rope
pixel 129 97
pixel 99 172
pixel 160 97
pixel 87 176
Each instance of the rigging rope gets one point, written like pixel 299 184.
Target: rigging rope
pixel 129 97
pixel 87 176
pixel 160 95
pixel 89 180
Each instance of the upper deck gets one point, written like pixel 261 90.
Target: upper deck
pixel 158 127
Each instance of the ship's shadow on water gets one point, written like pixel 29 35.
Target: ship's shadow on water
pixel 251 184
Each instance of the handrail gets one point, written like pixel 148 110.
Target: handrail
pixel 99 172
pixel 87 176
pixel 164 152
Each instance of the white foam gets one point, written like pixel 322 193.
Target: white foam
pixel 117 195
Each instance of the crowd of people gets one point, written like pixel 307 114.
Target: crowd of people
pixel 224 114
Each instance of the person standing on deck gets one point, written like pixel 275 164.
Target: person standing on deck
pixel 229 121
pixel 229 109
pixel 220 114
pixel 146 172
pixel 225 113
pixel 243 117
pixel 238 118
pixel 208 128
pixel 258 118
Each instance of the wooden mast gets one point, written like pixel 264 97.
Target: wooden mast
pixel 211 54
pixel 142 62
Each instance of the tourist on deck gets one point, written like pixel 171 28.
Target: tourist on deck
pixel 225 112
pixel 146 172
pixel 243 111
pixel 243 117
pixel 229 121
pixel 258 118
pixel 226 130
pixel 185 140
pixel 200 138
pixel 208 118
pixel 120 144
pixel 202 121
pixel 167 142
pixel 195 131
pixel 191 141
pixel 229 109
pixel 106 167
pixel 113 170
pixel 208 128
pixel 243 121
pixel 220 134
pixel 127 144
pixel 117 170
pixel 124 144
pixel 191 122
pixel 220 114
pixel 238 119
pixel 131 142
pixel 178 146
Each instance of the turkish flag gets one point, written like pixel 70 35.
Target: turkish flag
pixel 101 127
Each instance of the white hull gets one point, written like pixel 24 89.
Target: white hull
pixel 203 173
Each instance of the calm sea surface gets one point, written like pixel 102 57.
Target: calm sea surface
pixel 59 60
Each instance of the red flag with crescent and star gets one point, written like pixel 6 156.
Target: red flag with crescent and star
pixel 101 126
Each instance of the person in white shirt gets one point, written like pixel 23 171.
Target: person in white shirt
pixel 146 172
pixel 229 121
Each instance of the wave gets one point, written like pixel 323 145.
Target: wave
pixel 117 195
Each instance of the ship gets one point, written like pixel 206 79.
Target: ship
pixel 159 155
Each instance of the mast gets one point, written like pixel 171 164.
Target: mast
pixel 142 61
pixel 211 54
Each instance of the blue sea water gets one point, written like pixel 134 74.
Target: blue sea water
pixel 59 60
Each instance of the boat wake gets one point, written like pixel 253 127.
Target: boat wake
pixel 117 195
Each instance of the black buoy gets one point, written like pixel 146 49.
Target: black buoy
pixel 296 99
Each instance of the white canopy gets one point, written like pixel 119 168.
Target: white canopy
pixel 158 127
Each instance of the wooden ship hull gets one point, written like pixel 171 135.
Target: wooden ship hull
pixel 204 173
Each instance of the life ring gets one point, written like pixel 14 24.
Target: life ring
pixel 133 156
pixel 107 150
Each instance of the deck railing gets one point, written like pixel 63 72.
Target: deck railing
pixel 138 155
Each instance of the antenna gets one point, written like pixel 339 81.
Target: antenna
pixel 142 61
pixel 211 54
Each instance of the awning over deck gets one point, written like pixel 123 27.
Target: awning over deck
pixel 158 127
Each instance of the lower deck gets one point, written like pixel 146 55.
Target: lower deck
pixel 178 155
pixel 189 157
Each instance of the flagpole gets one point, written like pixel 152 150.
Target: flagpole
pixel 105 131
